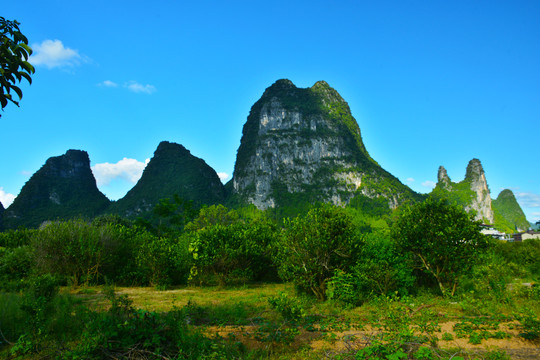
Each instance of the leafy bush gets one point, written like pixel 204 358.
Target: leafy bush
pixel 313 247
pixel 163 261
pixel 444 239
pixel 289 308
pixel 231 253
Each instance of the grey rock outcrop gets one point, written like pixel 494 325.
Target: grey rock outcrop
pixel 443 178
pixel 303 145
pixel 476 177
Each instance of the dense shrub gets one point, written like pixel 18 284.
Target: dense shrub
pixel 525 254
pixel 381 269
pixel 234 253
pixel 313 247
pixel 84 252
pixel 444 239
pixel 163 261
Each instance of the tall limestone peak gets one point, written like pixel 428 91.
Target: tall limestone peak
pixel 442 177
pixel 303 145
pixel 475 172
pixel 64 187
pixel 509 216
pixel 173 170
pixel 472 193
pixel 481 203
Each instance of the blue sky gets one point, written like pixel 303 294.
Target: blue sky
pixel 430 83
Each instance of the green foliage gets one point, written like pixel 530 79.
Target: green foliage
pixel 313 247
pixel 14 65
pixel 458 193
pixel 490 277
pixel 444 239
pixel 16 238
pixel 82 252
pixel 170 216
pixel 126 332
pixel 381 269
pixel 164 261
pixel 529 321
pixel 524 255
pixel 234 253
pixel 291 309
pixel 372 206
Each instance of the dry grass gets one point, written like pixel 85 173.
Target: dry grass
pixel 341 331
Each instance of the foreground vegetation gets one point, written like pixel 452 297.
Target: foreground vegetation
pixel 422 283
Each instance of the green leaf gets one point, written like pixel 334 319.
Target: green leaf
pixel 17 90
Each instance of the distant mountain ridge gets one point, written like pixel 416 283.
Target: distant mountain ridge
pixel 299 146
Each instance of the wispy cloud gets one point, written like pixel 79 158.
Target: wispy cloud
pixel 6 198
pixel 53 54
pixel 127 169
pixel 410 180
pixel 108 83
pixel 223 176
pixel 136 87
pixel 528 199
pixel 429 184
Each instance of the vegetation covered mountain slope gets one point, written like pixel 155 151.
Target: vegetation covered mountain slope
pixel 302 145
pixel 509 217
pixel 1 214
pixel 63 188
pixel 173 170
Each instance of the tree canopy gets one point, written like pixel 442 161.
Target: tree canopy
pixel 14 65
pixel 443 237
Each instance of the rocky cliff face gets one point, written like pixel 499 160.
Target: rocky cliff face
pixel 472 193
pixel 63 188
pixel 303 145
pixel 443 178
pixel 481 203
pixel 171 171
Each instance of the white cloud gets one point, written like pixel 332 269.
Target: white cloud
pixel 52 54
pixel 223 176
pixel 429 184
pixel 528 199
pixel 136 87
pixel 6 198
pixel 127 169
pixel 410 180
pixel 108 83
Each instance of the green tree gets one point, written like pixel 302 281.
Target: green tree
pixel 315 246
pixel 443 237
pixel 14 65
